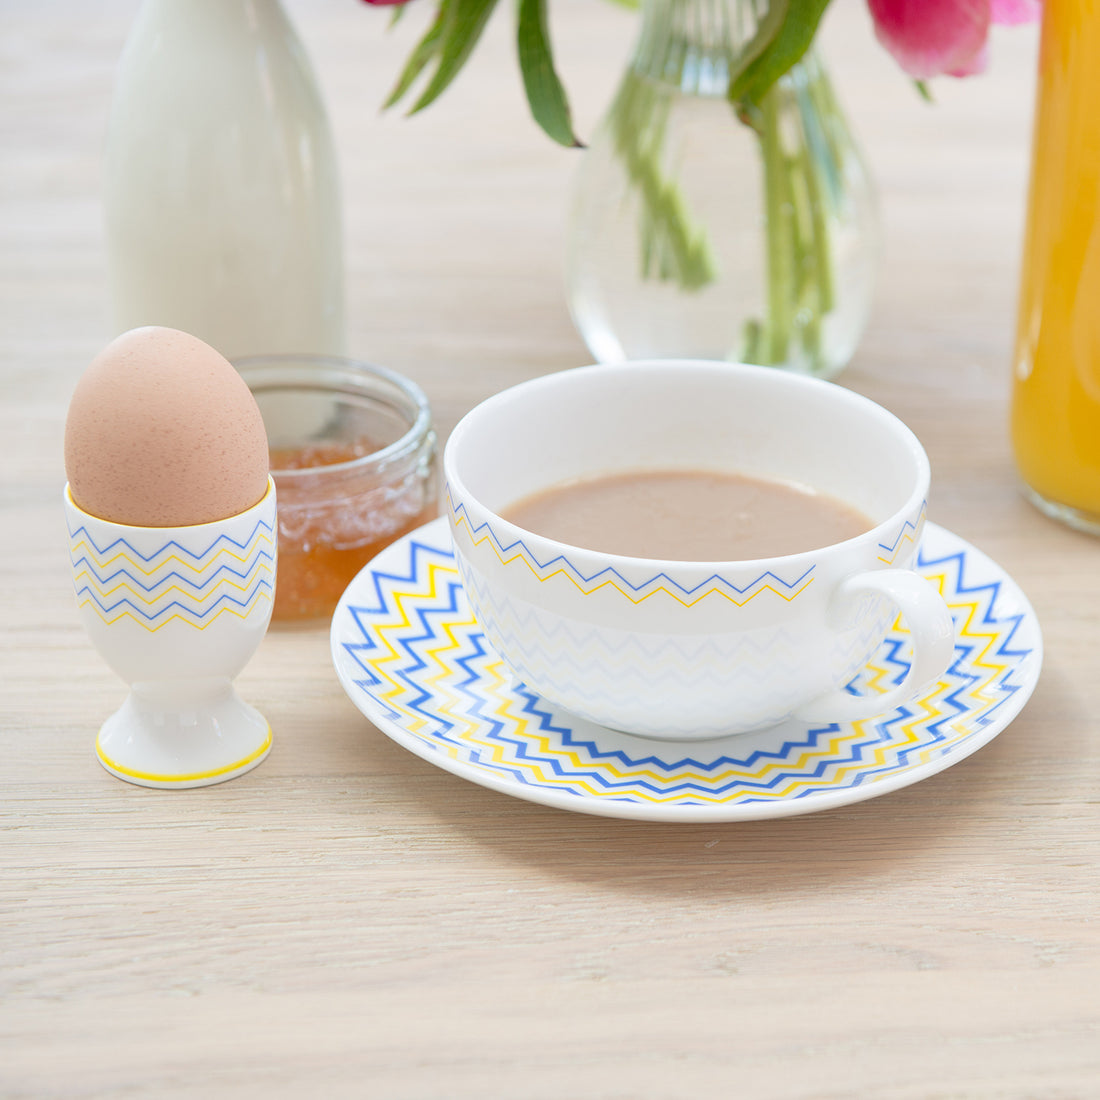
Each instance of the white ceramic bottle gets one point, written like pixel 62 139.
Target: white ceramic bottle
pixel 220 185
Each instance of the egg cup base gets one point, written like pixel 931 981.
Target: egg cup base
pixel 177 747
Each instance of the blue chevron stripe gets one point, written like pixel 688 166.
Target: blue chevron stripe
pixel 419 558
pixel 224 540
pixel 534 707
pixel 263 560
pixel 907 528
pixel 210 610
pixel 604 574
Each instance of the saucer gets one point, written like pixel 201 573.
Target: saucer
pixel 411 657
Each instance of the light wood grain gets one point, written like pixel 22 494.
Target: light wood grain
pixel 347 920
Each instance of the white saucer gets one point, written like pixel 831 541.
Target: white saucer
pixel 411 657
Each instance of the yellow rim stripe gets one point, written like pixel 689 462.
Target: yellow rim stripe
pixel 154 778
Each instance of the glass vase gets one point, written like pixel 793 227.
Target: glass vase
pixel 694 233
pixel 220 185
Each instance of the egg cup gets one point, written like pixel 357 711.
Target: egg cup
pixel 177 612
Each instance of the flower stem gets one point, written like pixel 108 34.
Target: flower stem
pixel 800 187
pixel 778 211
pixel 672 247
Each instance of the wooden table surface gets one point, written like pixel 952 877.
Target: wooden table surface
pixel 347 920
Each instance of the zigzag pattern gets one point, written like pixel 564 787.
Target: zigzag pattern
pixel 561 566
pixel 551 652
pixel 174 583
pixel 422 665
pixel 554 654
pixel 906 537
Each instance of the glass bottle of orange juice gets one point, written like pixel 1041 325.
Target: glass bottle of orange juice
pixel 1056 385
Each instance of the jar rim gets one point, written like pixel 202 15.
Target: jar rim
pixel 334 374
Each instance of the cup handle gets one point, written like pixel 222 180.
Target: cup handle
pixel 930 627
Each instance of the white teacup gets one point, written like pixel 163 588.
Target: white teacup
pixel 693 650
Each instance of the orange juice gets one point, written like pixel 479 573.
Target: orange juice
pixel 1056 386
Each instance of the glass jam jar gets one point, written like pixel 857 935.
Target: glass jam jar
pixel 354 458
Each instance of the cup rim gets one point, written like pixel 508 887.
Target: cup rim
pixel 914 501
pixel 378 461
pixel 261 504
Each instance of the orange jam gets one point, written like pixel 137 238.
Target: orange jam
pixel 332 523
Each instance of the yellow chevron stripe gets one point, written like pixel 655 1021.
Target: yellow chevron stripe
pixel 542 743
pixel 204 563
pixel 907 540
pixel 450 702
pixel 497 685
pixel 542 579
pixel 877 680
pixel 260 595
pixel 209 596
pixel 974 633
pixel 498 682
pixel 663 779
pixel 826 750
pixel 396 625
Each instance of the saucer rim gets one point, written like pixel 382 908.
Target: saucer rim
pixel 629 809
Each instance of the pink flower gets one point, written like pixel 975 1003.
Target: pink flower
pixel 1011 12
pixel 930 37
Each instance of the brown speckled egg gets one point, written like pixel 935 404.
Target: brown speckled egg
pixel 163 432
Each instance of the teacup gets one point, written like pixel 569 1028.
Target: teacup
pixel 692 650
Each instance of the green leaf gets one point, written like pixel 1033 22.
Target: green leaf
pixel 796 32
pixel 423 52
pixel 767 29
pixel 545 93
pixel 462 24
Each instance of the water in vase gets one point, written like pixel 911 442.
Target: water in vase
pixel 693 233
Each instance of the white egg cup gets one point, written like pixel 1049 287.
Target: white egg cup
pixel 178 612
